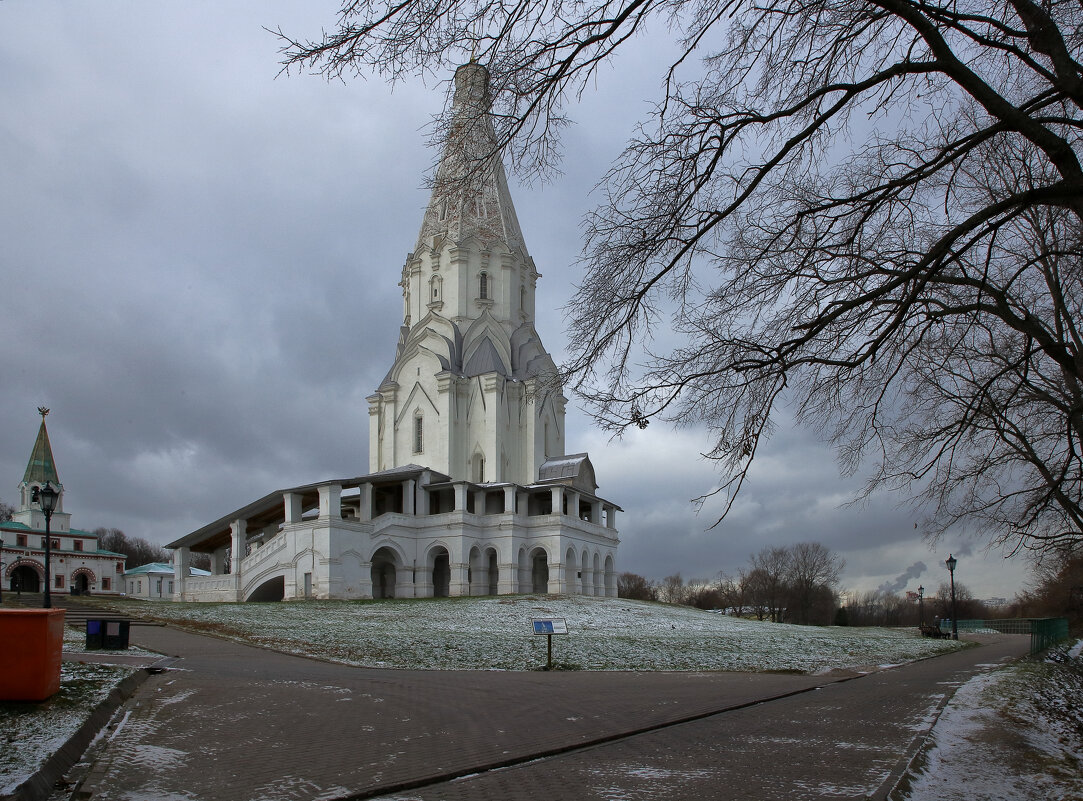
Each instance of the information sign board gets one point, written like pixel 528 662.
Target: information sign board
pixel 549 625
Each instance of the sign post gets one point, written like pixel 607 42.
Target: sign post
pixel 549 626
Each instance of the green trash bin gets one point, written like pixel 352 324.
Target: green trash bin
pixel 109 635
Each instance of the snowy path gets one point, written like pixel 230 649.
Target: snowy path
pixel 846 740
pixel 243 724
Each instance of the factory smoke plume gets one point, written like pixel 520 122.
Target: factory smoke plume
pixel 901 581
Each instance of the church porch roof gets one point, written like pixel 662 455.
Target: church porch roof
pixel 163 568
pixel 268 509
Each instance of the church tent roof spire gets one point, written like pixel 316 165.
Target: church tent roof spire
pixel 41 467
pixel 470 196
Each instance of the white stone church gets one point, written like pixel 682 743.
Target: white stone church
pixel 470 491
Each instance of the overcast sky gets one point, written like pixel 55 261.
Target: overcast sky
pixel 200 261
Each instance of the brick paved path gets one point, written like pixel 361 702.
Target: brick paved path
pixel 243 724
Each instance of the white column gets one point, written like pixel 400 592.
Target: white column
pixel 331 501
pixel 218 561
pixel 366 502
pixel 238 531
pixel 611 517
pixel 507 579
pixel 408 499
pixel 421 495
pixel 291 503
pixel 459 584
pixel 181 559
pixel 375 402
pixel 509 500
pixel 558 500
pixel 460 497
pixel 573 503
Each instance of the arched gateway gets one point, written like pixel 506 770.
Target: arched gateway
pixel 25 578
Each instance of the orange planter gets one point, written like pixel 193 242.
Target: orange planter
pixel 31 641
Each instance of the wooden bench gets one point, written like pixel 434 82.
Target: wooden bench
pixel 932 631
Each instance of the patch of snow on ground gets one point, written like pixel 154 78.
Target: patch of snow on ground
pixel 1013 734
pixel 31 732
pixel 654 782
pixel 495 633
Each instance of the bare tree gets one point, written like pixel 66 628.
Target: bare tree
pixel 703 594
pixel 138 550
pixel 767 581
pixel 966 605
pixel 880 608
pixel 6 511
pixel 869 209
pixel 811 569
pixel 672 590
pixel 733 594
pixel 1057 592
pixel 636 587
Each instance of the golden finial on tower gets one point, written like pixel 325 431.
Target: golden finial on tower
pixel 42 411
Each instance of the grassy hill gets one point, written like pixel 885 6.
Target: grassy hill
pixel 495 633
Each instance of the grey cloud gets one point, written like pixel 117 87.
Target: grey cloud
pixel 200 268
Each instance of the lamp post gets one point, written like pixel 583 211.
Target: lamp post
pixel 951 562
pixel 47 496
pixel 921 607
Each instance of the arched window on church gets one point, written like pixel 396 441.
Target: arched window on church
pixel 434 288
pixel 419 434
pixel 483 286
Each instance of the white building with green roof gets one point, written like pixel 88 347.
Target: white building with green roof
pixel 77 564
pixel 154 581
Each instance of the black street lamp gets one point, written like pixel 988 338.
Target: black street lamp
pixel 921 607
pixel 951 562
pixel 47 497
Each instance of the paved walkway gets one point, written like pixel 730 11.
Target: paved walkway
pixel 243 724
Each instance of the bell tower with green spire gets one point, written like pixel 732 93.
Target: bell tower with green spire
pixel 41 469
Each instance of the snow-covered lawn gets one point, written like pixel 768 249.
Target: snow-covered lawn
pixel 31 732
pixel 495 633
pixel 1014 734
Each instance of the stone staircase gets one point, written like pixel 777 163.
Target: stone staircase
pixel 76 613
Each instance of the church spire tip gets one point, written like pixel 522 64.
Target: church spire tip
pixel 41 468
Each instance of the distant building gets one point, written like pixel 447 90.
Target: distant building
pixel 154 581
pixel 76 562
pixel 470 491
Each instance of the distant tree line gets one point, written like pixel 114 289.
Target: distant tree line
pixel 882 608
pixel 790 584
pixel 1057 591
pixel 138 550
pixel 799 584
